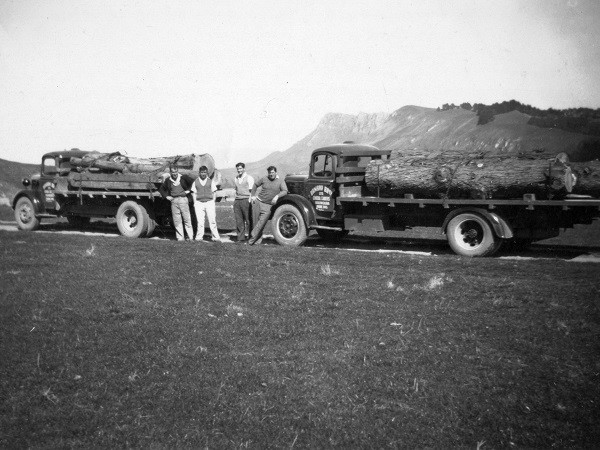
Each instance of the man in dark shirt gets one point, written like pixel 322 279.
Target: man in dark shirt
pixel 273 188
pixel 176 189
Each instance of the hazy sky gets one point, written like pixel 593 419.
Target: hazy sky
pixel 239 79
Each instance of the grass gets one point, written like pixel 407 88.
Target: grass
pixel 110 342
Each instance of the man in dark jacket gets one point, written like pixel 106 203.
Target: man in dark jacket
pixel 176 189
pixel 273 188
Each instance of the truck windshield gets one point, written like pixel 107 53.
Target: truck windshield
pixel 49 166
pixel 323 165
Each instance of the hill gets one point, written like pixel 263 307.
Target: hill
pixel 414 129
pixel 11 174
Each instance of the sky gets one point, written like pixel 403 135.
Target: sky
pixel 240 79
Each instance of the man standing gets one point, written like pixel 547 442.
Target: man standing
pixel 176 189
pixel 273 188
pixel 241 206
pixel 204 203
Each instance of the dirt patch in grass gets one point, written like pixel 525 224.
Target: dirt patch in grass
pixel 112 342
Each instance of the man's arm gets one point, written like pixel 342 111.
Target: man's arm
pixel 255 187
pixel 187 183
pixel 250 185
pixel 213 188
pixel 283 190
pixel 163 190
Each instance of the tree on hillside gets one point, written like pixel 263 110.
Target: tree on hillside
pixel 577 120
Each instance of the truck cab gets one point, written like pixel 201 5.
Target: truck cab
pixel 37 200
pixel 335 171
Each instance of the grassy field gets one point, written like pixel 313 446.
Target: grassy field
pixel 110 342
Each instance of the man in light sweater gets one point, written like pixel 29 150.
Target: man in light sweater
pixel 241 206
pixel 273 188
pixel 204 204
pixel 176 189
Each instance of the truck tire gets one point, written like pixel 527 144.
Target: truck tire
pixel 78 221
pixel 132 219
pixel 25 215
pixel 151 227
pixel 470 234
pixel 332 235
pixel 288 226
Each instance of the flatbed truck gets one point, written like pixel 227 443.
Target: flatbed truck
pixel 333 200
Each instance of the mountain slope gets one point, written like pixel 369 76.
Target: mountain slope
pixel 456 130
pixel 11 174
pixel 332 128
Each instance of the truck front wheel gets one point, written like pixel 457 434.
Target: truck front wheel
pixel 470 235
pixel 132 219
pixel 288 226
pixel 25 215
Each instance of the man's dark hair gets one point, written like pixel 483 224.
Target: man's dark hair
pixel 271 168
pixel 203 169
pixel 242 165
pixel 173 166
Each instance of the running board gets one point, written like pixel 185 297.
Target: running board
pixel 323 227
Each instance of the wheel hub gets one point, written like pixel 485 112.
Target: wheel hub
pixel 471 235
pixel 288 226
pixel 25 214
pixel 131 219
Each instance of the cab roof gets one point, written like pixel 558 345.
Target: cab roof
pixel 352 149
pixel 73 153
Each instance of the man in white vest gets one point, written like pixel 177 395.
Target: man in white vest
pixel 204 190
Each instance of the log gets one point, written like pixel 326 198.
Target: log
pixel 115 162
pixel 455 177
pixel 588 178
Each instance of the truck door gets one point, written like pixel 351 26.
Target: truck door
pixel 321 183
pixel 48 178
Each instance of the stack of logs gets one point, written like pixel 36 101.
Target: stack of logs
pixel 476 176
pixel 117 163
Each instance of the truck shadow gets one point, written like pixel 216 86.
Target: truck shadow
pixel 417 245
pixel 429 246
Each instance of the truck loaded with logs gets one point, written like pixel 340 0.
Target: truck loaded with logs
pixel 80 185
pixel 479 202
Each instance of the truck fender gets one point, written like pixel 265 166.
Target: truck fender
pixel 305 207
pixel 37 204
pixel 501 227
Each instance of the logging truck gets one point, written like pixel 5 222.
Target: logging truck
pixel 60 190
pixel 341 194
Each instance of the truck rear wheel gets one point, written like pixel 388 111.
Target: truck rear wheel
pixel 471 235
pixel 132 219
pixel 25 215
pixel 288 226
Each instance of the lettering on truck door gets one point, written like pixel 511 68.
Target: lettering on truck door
pixel 321 183
pixel 48 179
